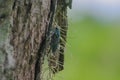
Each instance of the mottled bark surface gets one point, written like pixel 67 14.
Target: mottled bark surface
pixel 28 32
pixel 23 26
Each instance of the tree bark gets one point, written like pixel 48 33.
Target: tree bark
pixel 24 27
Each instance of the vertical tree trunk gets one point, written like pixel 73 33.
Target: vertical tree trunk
pixel 24 25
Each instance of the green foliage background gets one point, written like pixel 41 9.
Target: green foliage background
pixel 93 51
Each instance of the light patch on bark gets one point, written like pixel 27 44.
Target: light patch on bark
pixel 10 55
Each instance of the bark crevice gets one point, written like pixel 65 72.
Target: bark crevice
pixel 39 59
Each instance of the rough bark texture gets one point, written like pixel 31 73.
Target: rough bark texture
pixel 23 27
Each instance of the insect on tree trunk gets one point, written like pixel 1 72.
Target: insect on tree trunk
pixel 26 27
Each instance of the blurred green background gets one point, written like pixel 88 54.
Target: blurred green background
pixel 93 48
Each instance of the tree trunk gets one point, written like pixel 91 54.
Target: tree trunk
pixel 25 28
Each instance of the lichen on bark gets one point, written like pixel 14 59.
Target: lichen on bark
pixel 6 55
